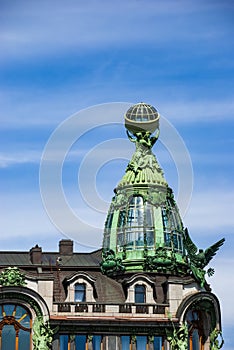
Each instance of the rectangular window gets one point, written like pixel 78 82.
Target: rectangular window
pixel 167 238
pixel 120 240
pixel 63 342
pixel 139 293
pixel 139 236
pixel 125 342
pixel 8 337
pixel 106 242
pixel 80 292
pixel 97 340
pixel 130 238
pixel 80 341
pixel 141 342
pixel 175 241
pixel 24 340
pixel 165 218
pixel 121 219
pixel 157 343
pixel 149 237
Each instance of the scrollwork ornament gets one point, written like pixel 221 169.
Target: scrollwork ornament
pixel 215 344
pixel 120 200
pixel 42 334
pixel 178 339
pixel 12 277
pixel 111 265
pixel 156 198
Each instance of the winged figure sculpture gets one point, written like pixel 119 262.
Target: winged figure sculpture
pixel 199 258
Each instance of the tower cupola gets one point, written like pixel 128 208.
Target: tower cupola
pixel 143 229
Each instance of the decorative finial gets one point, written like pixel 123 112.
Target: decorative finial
pixel 142 117
pixel 141 121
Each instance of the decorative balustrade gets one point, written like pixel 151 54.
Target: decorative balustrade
pixel 128 308
pixel 125 308
pixel 99 307
pixel 142 309
pixel 64 307
pixel 159 309
pixel 81 307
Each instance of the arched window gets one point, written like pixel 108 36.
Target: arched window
pixel 80 292
pixel 15 327
pixel 195 328
pixel 107 231
pixel 172 227
pixel 139 293
pixel 135 224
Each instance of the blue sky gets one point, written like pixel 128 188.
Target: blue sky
pixel 59 58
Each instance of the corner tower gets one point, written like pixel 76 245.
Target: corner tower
pixel 143 229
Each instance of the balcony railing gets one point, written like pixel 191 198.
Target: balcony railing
pixel 128 308
pixel 142 309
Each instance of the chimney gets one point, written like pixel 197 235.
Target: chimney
pixel 66 247
pixel 36 255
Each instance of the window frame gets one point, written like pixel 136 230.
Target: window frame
pixel 139 294
pixel 82 290
pixel 10 319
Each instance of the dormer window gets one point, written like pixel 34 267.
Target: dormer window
pixel 139 293
pixel 80 288
pixel 80 292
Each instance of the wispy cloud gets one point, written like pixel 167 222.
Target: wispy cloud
pixel 199 111
pixel 17 158
pixel 223 271
pixel 25 107
pixel 211 211
pixel 84 25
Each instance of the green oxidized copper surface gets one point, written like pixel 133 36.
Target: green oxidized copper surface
pixel 199 259
pixel 216 340
pixel 42 334
pixel 143 229
pixel 111 265
pixel 164 261
pixel 143 168
pixel 12 277
pixel 178 339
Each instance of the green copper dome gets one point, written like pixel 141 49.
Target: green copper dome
pixel 143 229
pixel 143 221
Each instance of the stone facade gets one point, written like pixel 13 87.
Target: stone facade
pixel 145 290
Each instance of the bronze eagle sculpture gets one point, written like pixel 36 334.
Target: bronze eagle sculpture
pixel 199 258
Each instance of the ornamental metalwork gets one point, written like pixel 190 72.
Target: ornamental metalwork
pixel 178 339
pixel 143 167
pixel 144 230
pixel 198 259
pixel 42 334
pixel 12 277
pixel 216 340
pixel 160 262
pixel 110 264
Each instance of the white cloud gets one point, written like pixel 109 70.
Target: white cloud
pixel 32 107
pixel 222 285
pixel 211 211
pixel 55 27
pixel 17 158
pixel 199 111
